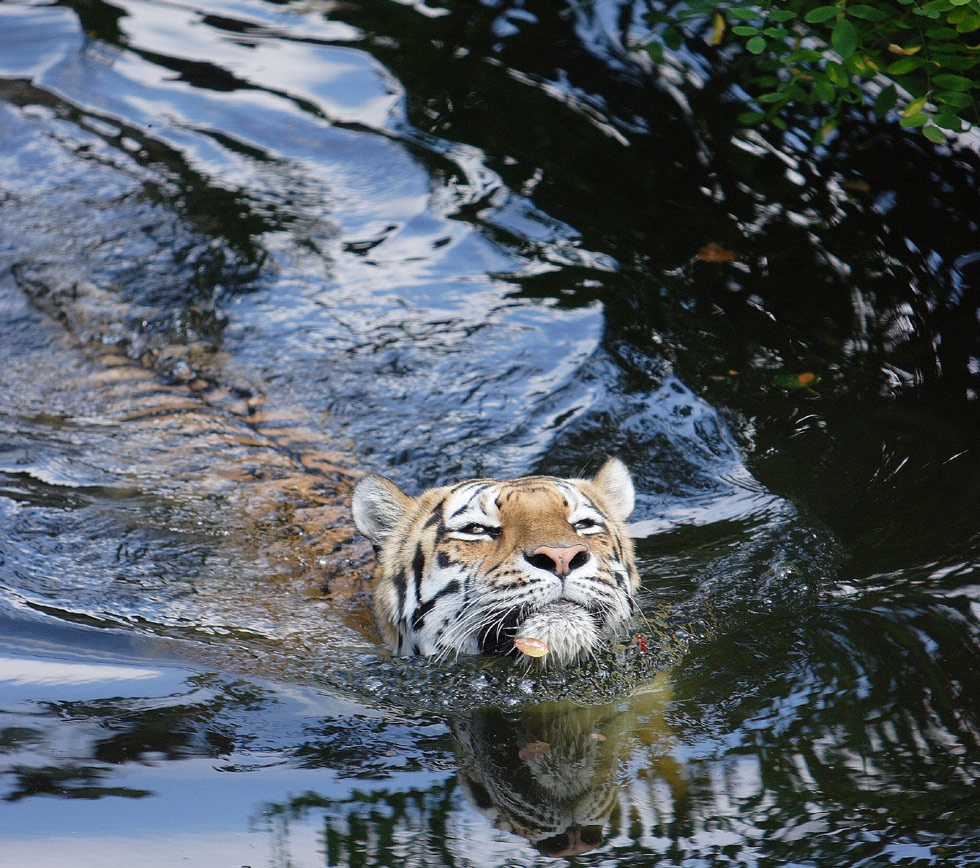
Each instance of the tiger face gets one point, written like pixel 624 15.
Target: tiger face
pixel 469 568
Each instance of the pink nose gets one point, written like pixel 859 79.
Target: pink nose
pixel 559 560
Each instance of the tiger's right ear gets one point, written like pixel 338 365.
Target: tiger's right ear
pixel 378 505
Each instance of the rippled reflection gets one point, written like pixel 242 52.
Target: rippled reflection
pixel 249 248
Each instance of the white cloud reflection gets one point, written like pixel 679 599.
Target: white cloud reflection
pixel 15 670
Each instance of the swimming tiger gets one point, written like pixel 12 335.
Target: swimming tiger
pixel 473 567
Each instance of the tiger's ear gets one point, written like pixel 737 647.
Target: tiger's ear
pixel 616 487
pixel 378 505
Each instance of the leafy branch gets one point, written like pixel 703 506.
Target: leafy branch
pixel 918 57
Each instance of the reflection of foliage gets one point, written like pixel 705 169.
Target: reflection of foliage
pixel 71 782
pixel 173 727
pixel 120 730
pixel 405 828
pixel 13 738
pixel 810 54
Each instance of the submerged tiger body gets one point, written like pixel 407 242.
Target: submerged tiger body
pixel 470 568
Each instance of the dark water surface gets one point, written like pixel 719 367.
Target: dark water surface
pixel 441 241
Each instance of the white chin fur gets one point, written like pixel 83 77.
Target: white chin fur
pixel 567 629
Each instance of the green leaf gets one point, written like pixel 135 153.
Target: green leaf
pixel 940 34
pixel 748 118
pixel 745 30
pixel 837 74
pixel 672 38
pixel 821 14
pixel 656 52
pixel 948 121
pixel 955 61
pixel 804 55
pixel 954 99
pixel 775 96
pixel 952 82
pixel 844 38
pixel 756 45
pixel 968 24
pixel 914 107
pixel 780 15
pixel 934 134
pixel 824 90
pixel 959 2
pixel 916 120
pixel 885 101
pixel 868 13
pixel 905 65
pixel 938 6
pixel 776 32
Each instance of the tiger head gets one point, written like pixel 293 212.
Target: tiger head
pixel 470 568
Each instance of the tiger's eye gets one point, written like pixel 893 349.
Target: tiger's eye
pixel 474 529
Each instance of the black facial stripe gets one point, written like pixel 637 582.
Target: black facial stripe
pixel 418 568
pixel 418 621
pixel 480 489
pixel 436 516
pixel 400 584
pixel 443 561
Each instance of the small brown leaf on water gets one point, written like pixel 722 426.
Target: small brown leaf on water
pixel 531 647
pixel 713 252
pixel 533 750
pixel 806 379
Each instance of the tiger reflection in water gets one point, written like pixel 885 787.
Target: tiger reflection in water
pixel 551 773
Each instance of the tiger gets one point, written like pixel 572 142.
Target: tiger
pixel 473 567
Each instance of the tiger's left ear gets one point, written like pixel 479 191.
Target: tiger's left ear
pixel 616 487
pixel 378 505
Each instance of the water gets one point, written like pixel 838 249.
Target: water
pixel 247 249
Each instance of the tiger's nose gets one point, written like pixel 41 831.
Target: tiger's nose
pixel 558 560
